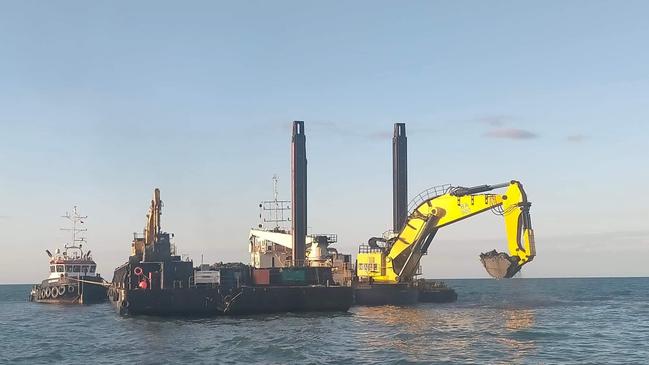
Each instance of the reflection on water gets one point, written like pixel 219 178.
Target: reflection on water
pixel 519 319
pixel 418 332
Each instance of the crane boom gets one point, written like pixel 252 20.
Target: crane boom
pixel 399 261
pixel 152 227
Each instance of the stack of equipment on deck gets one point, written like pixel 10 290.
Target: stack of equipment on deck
pixel 155 281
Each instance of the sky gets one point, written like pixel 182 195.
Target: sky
pixel 101 102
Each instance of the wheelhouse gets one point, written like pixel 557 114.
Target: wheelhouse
pixel 63 268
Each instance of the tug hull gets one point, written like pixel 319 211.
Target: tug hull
pixel 69 292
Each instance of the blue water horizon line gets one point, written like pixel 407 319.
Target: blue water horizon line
pixel 472 278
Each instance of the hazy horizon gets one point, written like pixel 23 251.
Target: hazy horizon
pixel 102 103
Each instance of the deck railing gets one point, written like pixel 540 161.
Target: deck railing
pixel 428 194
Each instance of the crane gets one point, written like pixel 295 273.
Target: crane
pixel 396 259
pixel 153 245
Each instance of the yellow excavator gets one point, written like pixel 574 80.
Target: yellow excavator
pixel 395 259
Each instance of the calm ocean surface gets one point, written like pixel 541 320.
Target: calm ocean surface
pixel 529 321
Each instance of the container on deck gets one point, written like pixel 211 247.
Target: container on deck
pixel 207 277
pixel 261 276
pixel 295 276
pixel 234 277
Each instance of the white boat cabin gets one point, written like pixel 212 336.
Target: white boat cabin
pixel 75 269
pixel 72 262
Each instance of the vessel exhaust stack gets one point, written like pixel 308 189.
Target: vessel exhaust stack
pixel 399 176
pixel 298 193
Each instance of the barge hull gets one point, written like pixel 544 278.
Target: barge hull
pixel 385 294
pixel 166 302
pixel 245 300
pixel 445 295
pixel 401 294
pixel 272 299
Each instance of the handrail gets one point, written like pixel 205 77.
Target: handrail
pixel 428 194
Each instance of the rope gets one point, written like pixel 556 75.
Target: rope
pixel 104 283
pixel 227 305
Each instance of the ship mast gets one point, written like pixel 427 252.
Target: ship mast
pixel 77 220
pixel 273 211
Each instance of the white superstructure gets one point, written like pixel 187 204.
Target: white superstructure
pixel 72 261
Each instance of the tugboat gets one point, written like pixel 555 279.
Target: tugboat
pixel 73 273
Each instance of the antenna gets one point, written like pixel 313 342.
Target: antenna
pixel 275 181
pixel 76 219
pixel 273 211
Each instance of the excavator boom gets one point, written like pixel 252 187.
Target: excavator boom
pixel 152 228
pixel 400 261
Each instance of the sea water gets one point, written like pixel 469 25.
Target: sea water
pixel 526 321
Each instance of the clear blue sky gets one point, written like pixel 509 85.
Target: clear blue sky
pixel 100 102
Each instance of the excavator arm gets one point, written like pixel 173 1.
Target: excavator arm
pixel 151 228
pixel 412 242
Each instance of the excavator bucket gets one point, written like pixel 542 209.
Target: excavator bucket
pixel 499 264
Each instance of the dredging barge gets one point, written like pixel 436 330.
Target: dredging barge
pixel 387 267
pixel 155 281
pixel 285 275
pixel 276 245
